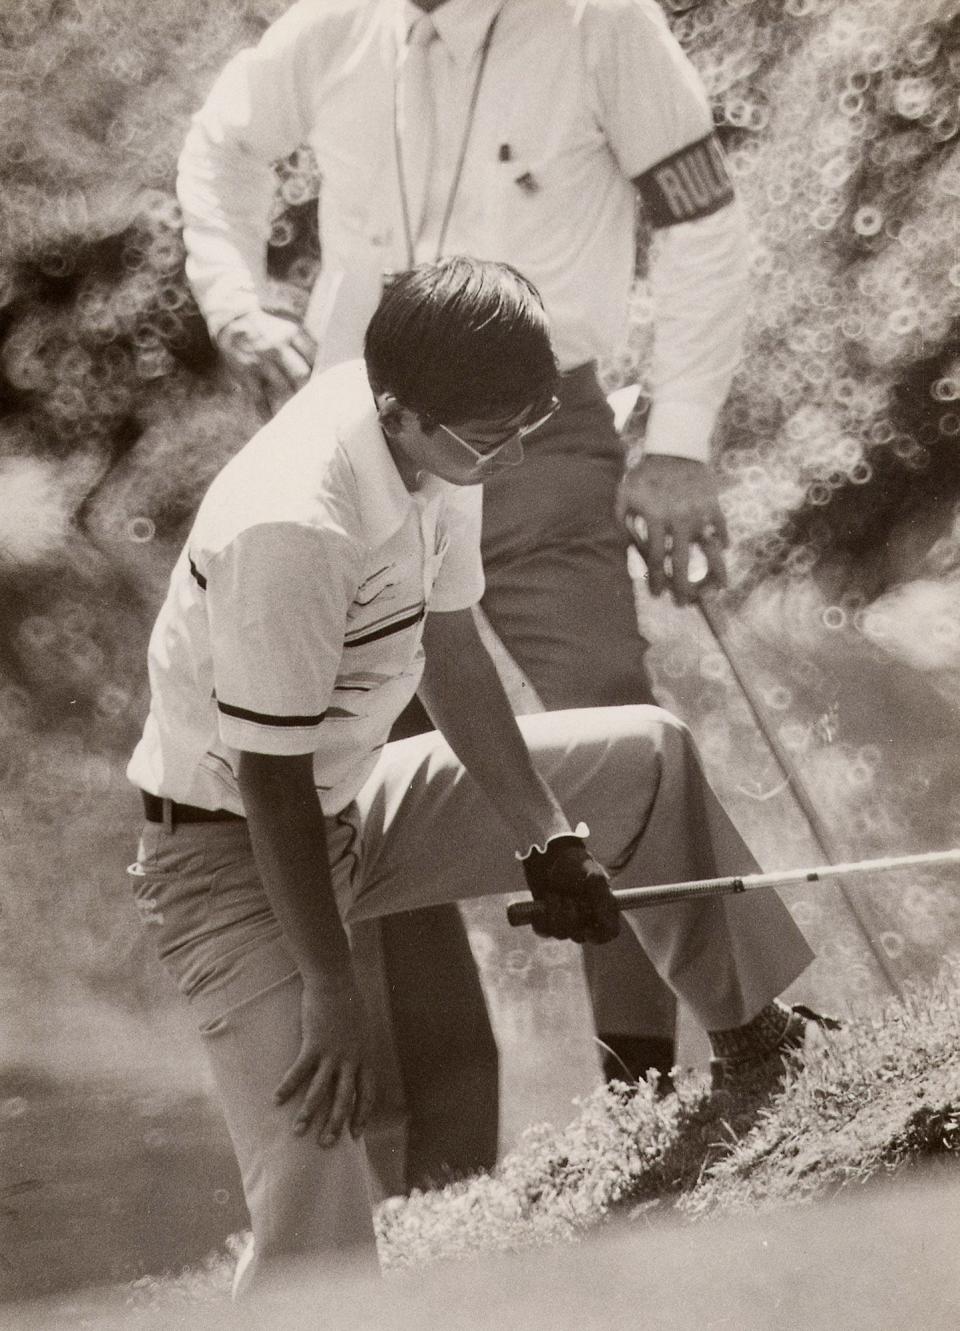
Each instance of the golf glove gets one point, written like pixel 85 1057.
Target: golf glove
pixel 573 890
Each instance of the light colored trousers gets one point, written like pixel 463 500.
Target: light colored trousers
pixel 421 833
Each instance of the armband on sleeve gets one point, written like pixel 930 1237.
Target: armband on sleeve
pixel 689 184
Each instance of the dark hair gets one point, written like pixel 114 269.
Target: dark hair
pixel 461 339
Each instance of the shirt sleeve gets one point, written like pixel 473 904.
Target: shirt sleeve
pixel 699 278
pixel 649 98
pixel 656 117
pixel 258 111
pixel 277 599
pixel 459 583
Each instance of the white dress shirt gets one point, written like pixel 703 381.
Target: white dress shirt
pixel 578 98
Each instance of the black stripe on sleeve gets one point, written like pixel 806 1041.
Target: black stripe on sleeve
pixel 198 576
pixel 264 719
pixel 689 184
pixel 396 627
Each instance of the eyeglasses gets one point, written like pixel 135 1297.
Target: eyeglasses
pixel 519 433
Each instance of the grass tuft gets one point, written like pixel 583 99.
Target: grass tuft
pixel 882 1094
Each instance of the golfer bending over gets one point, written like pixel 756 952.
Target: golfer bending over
pixel 330 574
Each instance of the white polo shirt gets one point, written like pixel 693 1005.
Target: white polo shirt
pixel 295 612
pixel 578 98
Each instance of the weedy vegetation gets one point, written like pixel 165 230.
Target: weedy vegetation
pixel 882 1098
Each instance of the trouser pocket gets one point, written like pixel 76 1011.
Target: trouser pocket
pixel 174 879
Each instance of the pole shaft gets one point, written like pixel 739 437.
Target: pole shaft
pixel 715 621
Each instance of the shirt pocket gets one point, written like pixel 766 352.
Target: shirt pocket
pixel 379 588
pixel 538 170
pixel 385 620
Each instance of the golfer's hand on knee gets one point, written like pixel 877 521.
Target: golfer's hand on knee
pixel 668 505
pixel 332 1072
pixel 574 892
pixel 270 354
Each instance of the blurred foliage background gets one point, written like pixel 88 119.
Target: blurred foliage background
pixel 839 448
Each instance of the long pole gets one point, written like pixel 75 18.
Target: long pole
pixel 661 894
pixel 716 621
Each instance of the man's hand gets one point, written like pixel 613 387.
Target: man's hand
pixel 574 891
pixel 269 354
pixel 667 504
pixel 332 1069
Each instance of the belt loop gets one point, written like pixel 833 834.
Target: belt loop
pixel 168 815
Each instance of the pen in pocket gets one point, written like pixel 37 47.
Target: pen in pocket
pixel 524 178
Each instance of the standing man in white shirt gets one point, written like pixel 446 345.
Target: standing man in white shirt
pixel 521 130
pixel 330 572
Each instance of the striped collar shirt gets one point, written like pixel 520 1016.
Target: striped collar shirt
pixel 294 616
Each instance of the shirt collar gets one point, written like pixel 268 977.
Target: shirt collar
pixel 384 500
pixel 460 24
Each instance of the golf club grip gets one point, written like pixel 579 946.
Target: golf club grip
pixel 523 912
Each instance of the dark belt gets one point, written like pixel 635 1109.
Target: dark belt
pixel 168 812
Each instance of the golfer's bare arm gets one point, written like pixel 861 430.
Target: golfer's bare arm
pixel 466 701
pixel 287 833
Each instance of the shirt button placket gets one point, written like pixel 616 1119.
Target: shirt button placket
pixel 428 515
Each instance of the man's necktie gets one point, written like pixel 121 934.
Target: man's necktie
pixel 417 122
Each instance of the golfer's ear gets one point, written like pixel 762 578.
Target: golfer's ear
pixel 389 410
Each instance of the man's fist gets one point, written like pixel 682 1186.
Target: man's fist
pixel 574 892
pixel 668 504
pixel 269 354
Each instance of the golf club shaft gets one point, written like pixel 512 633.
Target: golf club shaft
pixel 709 605
pixel 661 894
